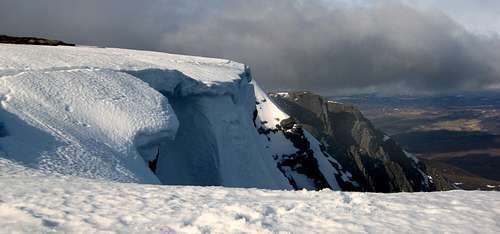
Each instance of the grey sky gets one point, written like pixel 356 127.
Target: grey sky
pixel 330 46
pixel 480 16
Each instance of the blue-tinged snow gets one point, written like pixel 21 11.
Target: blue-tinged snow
pixel 74 205
pixel 86 122
pixel 209 71
pixel 107 113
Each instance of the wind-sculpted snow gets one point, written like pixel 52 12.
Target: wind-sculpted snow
pixel 83 122
pixel 83 111
pixel 73 205
pixel 19 58
pixel 149 117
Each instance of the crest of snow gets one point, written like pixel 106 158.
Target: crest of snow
pixel 73 205
pixel 211 72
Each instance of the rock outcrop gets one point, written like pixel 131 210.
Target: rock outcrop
pixel 376 161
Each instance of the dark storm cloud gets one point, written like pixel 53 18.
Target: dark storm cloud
pixel 386 46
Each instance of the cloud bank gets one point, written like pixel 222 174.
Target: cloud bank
pixel 325 46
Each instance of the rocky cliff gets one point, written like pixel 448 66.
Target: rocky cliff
pixel 376 161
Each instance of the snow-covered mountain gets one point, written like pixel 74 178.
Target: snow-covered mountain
pixel 76 121
pixel 149 117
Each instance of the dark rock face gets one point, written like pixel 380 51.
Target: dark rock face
pixel 32 41
pixel 376 161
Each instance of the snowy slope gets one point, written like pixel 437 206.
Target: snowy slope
pixel 299 155
pixel 82 122
pixel 94 112
pixel 46 205
pixel 148 117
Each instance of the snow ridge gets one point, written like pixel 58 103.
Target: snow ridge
pixel 147 117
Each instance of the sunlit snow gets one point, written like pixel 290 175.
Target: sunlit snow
pixel 73 205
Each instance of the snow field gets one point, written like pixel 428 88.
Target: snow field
pixel 75 205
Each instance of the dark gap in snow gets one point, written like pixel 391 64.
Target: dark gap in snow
pixel 153 163
pixel 191 158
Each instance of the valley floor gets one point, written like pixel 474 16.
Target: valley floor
pixel 42 204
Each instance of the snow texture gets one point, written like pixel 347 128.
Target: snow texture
pixel 104 113
pixel 111 113
pixel 73 205
pixel 83 122
pixel 147 117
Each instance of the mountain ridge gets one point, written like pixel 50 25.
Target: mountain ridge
pixel 376 161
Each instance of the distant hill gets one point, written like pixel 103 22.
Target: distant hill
pixel 32 41
pixel 456 134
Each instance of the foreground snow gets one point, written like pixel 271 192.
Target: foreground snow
pixel 75 205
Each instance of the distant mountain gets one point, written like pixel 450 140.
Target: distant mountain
pixel 32 41
pixel 376 161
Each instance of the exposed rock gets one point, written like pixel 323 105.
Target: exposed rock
pixel 307 165
pixel 376 161
pixel 303 160
pixel 32 41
